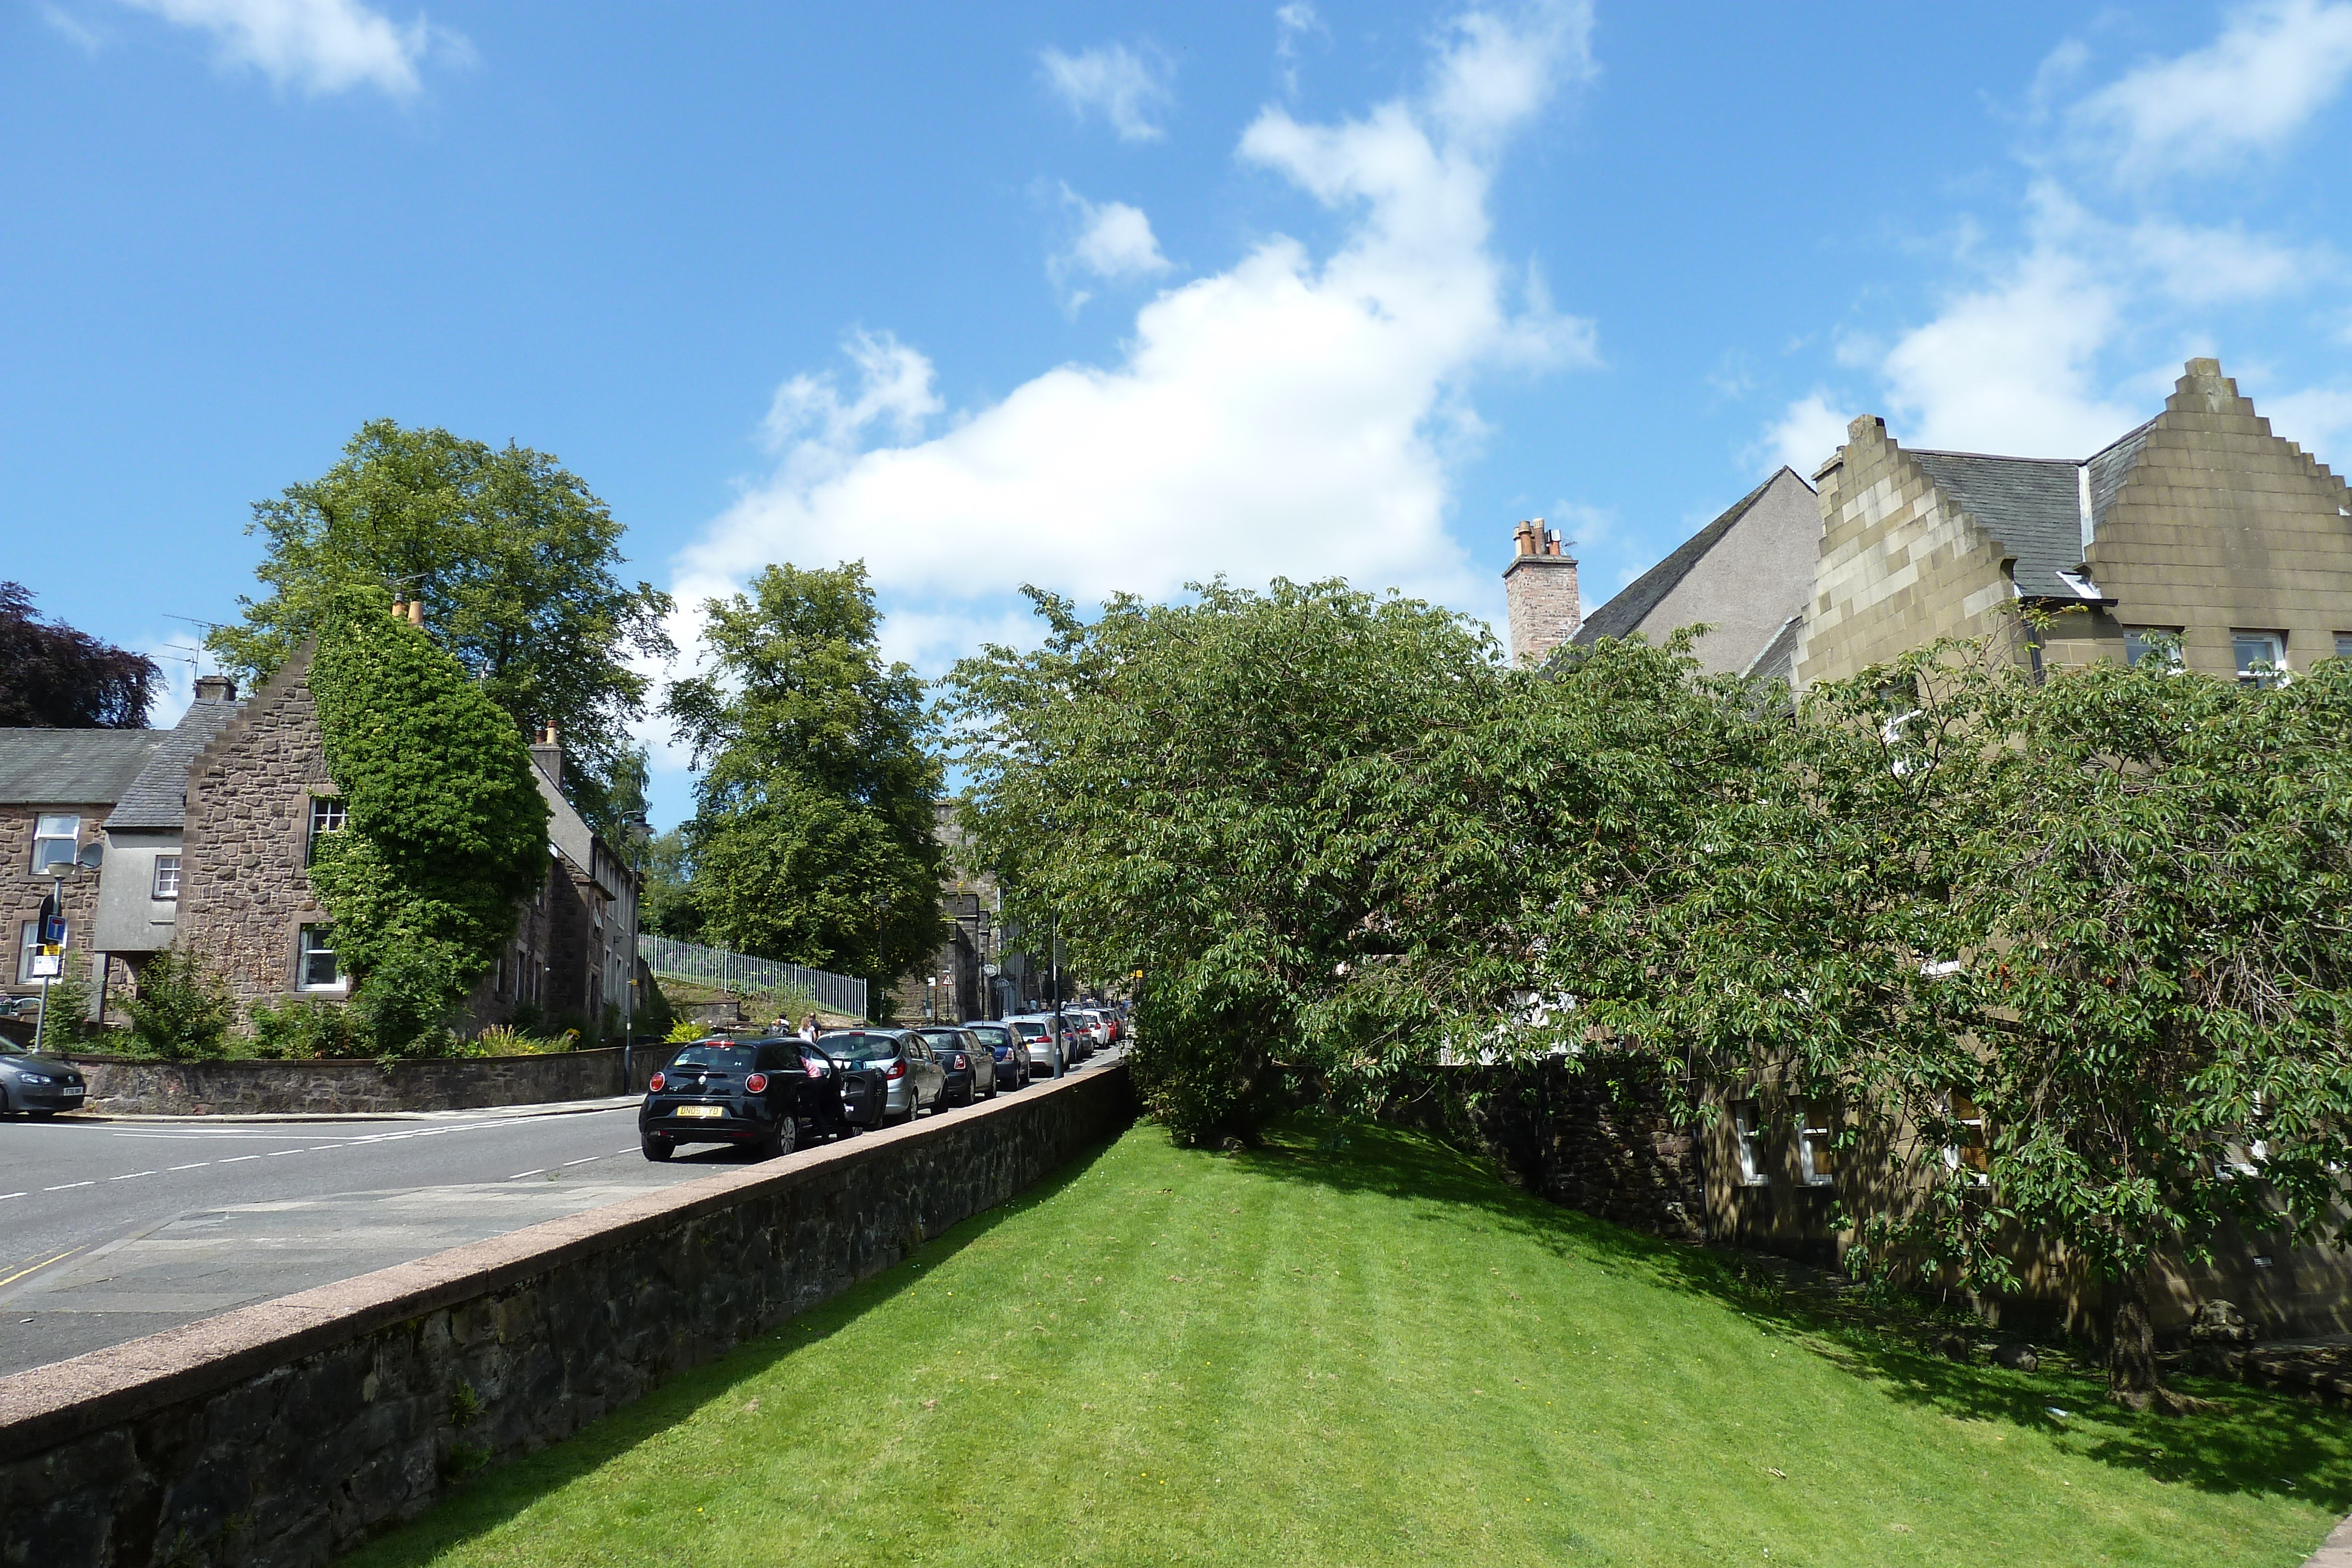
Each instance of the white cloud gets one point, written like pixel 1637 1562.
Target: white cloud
pixel 72 28
pixel 1291 414
pixel 320 45
pixel 1127 87
pixel 1114 243
pixel 2275 65
pixel 1291 23
pixel 2319 418
pixel 1807 431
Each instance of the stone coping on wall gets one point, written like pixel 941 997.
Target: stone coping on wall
pixel 48 1407
pixel 141 1085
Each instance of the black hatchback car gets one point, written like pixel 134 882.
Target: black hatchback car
pixel 767 1094
pixel 39 1086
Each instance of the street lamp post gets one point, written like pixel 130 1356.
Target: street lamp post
pixel 636 830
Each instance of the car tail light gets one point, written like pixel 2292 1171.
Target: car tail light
pixel 756 1085
pixel 813 1068
pixel 897 1070
pixel 654 1084
pixel 960 1063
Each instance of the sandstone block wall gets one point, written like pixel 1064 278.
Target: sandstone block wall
pixel 285 1433
pixel 244 891
pixel 21 892
pixel 135 1086
pixel 1900 564
pixel 1606 1147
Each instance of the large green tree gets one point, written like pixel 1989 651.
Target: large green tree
pixel 446 831
pixel 1182 790
pixel 2072 954
pixel 814 836
pixel 514 559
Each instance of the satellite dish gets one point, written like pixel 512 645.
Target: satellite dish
pixel 92 855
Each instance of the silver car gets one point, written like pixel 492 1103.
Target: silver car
pixel 1048 1051
pixel 916 1082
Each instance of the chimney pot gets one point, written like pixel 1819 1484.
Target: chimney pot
pixel 417 612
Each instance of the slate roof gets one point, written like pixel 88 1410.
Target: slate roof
pixel 1777 660
pixel 2034 504
pixel 1622 614
pixel 157 798
pixel 72 766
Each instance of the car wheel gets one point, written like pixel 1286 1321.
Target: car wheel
pixel 657 1149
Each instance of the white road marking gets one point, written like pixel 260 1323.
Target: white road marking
pixel 327 1149
pixel 569 1163
pixel 4 1197
pixel 197 1167
pixel 131 1175
pixel 68 1186
pixel 519 1174
pixel 275 1153
pixel 233 1159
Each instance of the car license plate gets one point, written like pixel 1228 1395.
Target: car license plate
pixel 73 1094
pixel 702 1110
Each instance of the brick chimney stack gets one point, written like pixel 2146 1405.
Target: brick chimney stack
pixel 547 751
pixel 1540 590
pixel 215 689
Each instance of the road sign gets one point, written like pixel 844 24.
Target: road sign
pixel 52 922
pixel 48 966
pixel 991 970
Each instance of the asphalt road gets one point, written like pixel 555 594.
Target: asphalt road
pixel 109 1230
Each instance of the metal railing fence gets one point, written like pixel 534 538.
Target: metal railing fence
pixel 740 972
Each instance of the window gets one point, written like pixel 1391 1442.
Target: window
pixel 315 969
pixel 1971 1150
pixel 1748 1130
pixel 1816 1160
pixel 2343 644
pixel 2142 641
pixel 55 840
pixel 502 989
pixel 28 945
pixel 2262 657
pixel 167 876
pixel 327 816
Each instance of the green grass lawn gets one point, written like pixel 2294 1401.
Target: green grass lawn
pixel 1370 1354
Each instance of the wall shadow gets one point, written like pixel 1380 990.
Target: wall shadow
pixel 495 1495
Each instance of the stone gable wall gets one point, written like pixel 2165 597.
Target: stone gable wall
pixel 1899 566
pixel 2221 526
pixel 244 891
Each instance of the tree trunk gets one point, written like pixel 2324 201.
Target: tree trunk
pixel 2132 1380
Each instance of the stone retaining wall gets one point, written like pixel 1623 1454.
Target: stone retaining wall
pixel 285 1433
pixel 130 1086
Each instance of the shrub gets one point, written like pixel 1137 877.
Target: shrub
pixel 505 1040
pixel 404 1006
pixel 65 1018
pixel 301 1030
pixel 684 1031
pixel 182 1008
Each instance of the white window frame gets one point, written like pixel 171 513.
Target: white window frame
pixel 166 884
pixel 328 815
pixel 310 941
pixel 2142 636
pixel 29 942
pixel 2248 676
pixel 1814 1123
pixel 1967 1114
pixel 48 833
pixel 1748 1137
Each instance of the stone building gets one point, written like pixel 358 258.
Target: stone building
pixel 205 832
pixel 2201 525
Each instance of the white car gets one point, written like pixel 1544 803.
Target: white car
pixel 1048 1050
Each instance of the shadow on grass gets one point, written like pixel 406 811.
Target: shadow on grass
pixel 2262 1442
pixel 493 1496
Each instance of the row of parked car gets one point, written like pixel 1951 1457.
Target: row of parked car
pixel 772 1094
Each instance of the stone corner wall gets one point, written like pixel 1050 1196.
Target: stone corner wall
pixel 288 1432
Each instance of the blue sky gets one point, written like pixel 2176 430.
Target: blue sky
pixel 1118 297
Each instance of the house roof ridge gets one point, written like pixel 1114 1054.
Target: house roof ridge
pixel 1641 595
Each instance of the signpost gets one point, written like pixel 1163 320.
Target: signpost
pixel 49 959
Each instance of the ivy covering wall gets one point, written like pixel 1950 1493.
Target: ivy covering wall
pixel 445 832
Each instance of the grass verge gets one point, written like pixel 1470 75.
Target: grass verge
pixel 1366 1350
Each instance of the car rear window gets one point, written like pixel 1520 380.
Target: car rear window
pixel 1032 1031
pixel 989 1034
pixel 852 1047
pixel 730 1057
